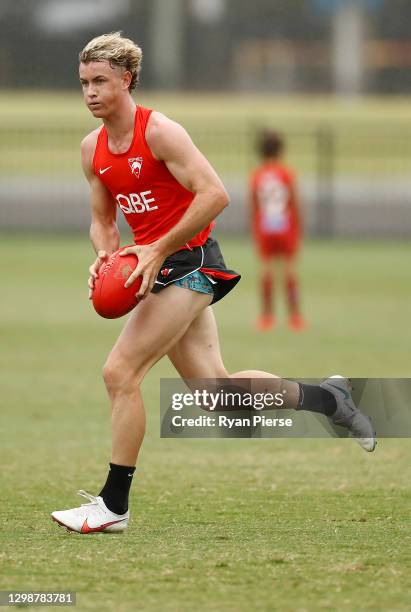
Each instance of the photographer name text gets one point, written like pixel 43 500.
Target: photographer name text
pixel 230 423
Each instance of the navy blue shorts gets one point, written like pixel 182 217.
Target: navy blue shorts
pixel 206 259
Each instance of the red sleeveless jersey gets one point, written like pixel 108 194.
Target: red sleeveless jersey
pixel 151 199
pixel 274 211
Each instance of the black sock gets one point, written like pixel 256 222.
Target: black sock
pixel 316 399
pixel 115 491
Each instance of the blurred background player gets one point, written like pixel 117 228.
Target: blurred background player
pixel 276 227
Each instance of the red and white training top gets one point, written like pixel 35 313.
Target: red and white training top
pixel 274 210
pixel 151 199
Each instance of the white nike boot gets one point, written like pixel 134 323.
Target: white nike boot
pixel 92 517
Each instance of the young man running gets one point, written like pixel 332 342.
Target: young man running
pixel 147 165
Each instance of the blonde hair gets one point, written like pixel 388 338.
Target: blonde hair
pixel 118 51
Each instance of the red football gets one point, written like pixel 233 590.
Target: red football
pixel 111 299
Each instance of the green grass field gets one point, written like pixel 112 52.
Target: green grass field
pixel 236 525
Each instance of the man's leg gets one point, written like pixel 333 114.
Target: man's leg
pixel 154 326
pixel 295 319
pixel 266 320
pixel 197 355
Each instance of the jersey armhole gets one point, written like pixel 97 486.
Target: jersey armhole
pixel 145 114
pixel 96 150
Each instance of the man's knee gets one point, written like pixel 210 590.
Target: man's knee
pixel 120 376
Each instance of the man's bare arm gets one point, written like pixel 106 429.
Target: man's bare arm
pixel 104 233
pixel 169 142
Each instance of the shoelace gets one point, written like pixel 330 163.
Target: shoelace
pixel 92 498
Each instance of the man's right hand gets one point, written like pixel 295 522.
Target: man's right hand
pixel 102 257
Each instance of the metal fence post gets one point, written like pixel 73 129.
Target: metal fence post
pixel 325 165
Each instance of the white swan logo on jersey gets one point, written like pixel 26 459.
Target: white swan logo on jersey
pixel 136 202
pixel 136 163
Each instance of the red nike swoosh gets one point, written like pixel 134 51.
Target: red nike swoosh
pixel 86 529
